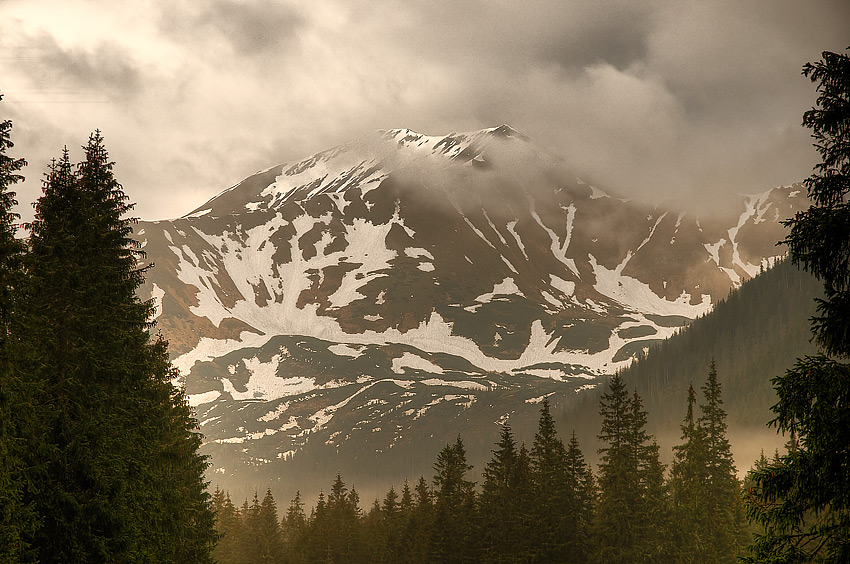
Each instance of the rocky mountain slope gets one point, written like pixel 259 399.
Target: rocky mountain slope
pixel 359 308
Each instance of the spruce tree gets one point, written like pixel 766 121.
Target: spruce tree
pixel 819 240
pixel 495 501
pixel 228 549
pixel 374 533
pixel 723 509
pixel 452 539
pixel 16 518
pixel 505 493
pixel 393 524
pixel 406 502
pixel 407 507
pixel 688 482
pixel 422 522
pixel 553 500
pixel 269 536
pixel 120 475
pixel 251 548
pixel 582 484
pixel 631 514
pixel 11 248
pixel 342 514
pixel 294 529
pixel 523 478
pixel 654 540
pixel 317 542
pixel 80 519
pixel 802 499
pixel 616 527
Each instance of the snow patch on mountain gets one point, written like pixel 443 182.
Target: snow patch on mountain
pixel 559 249
pixel 367 242
pixel 475 229
pixel 264 382
pixel 751 211
pixel 199 399
pixel 409 360
pixel 714 250
pixel 638 295
pixel 506 287
pixel 463 384
pixel 551 373
pixel 157 294
pixel 512 230
pixel 464 401
pixel 566 286
pixel 344 349
pixel 417 252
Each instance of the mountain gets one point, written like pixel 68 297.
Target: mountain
pixel 355 310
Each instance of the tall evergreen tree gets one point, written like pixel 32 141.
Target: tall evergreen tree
pixel 316 546
pixel 228 549
pixel 629 520
pixel 406 502
pixel 294 529
pixel 452 539
pixel 654 541
pixel 251 550
pixel 269 535
pixel 527 548
pixel 723 506
pixel 688 481
pixel 553 499
pixel 505 495
pixel 658 539
pixel 422 521
pixel 121 477
pixel 581 482
pixel 11 248
pixel 616 527
pixel 820 236
pixel 16 518
pixel 374 532
pixel 342 514
pixel 802 500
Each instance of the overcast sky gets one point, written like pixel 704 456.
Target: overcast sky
pixel 659 99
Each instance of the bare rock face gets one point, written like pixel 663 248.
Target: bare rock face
pixel 359 308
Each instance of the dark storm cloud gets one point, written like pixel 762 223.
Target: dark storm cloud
pixel 252 29
pixel 106 72
pixel 656 99
pixel 610 44
pixel 506 34
pixel 583 34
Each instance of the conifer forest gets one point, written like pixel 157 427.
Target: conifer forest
pixel 537 503
pixel 99 448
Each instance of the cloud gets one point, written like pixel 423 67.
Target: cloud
pixel 654 99
pixel 251 29
pixel 105 72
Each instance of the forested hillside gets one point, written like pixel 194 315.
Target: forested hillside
pixel 753 335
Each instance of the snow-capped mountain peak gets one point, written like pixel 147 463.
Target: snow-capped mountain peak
pixel 385 288
pixel 362 164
